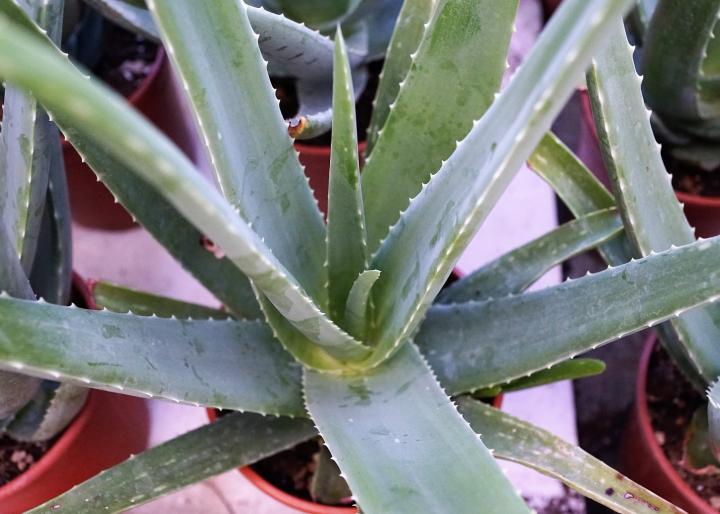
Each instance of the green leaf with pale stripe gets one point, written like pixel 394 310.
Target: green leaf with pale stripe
pixel 316 13
pixel 25 148
pixel 134 18
pixel 122 299
pixel 673 53
pixel 453 78
pixel 358 302
pixel 567 370
pixel 51 274
pixel 346 246
pixel 517 270
pixel 234 440
pixel 409 31
pixel 653 217
pixel 517 441
pixel 401 445
pixel 577 187
pixel 82 109
pixel 713 395
pixel 215 52
pixel 418 255
pixel 226 364
pixel 539 329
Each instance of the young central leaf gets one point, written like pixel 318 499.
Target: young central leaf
pixel 346 249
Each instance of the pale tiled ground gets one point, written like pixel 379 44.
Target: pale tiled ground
pixel 133 258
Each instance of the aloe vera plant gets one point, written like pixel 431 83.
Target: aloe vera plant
pixel 337 322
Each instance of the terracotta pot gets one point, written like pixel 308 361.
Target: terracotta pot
pixel 108 429
pixel 643 459
pixel 316 160
pixel 293 501
pixel 157 99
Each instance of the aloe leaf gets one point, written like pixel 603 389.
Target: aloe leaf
pixel 234 440
pixel 376 18
pixel 122 299
pixel 358 303
pixel 653 217
pixel 131 17
pixel 517 441
pixel 49 412
pixel 409 30
pixel 225 364
pixel 418 255
pixel 517 270
pixel 714 418
pixel 326 485
pixel 400 443
pixel 24 141
pixel 698 457
pixel 316 13
pixel 212 47
pixel 673 53
pixel 346 247
pixel 567 370
pixel 81 108
pixel 577 187
pixel 463 55
pixel 51 273
pixel 539 329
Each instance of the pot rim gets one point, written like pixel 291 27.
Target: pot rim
pixel 73 432
pixel 646 430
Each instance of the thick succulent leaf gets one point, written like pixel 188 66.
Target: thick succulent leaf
pixel 539 329
pixel 566 370
pixel 134 18
pixel 401 445
pixel 81 108
pixel 316 13
pixel 358 302
pixel 326 485
pixel 215 52
pixel 517 441
pixel 376 19
pixel 463 55
pixel 121 299
pixel 577 187
pixel 289 46
pixel 234 440
pixel 653 217
pixel 409 30
pixel 640 17
pixel 673 52
pixel 346 247
pixel 226 364
pixel 418 255
pixel 25 148
pixel 714 417
pixel 517 270
pixel 12 277
pixel 49 412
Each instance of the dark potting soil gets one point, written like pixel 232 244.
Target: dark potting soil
pixel 571 503
pixel 16 457
pixel 692 179
pixel 126 59
pixel 672 402
pixel 285 91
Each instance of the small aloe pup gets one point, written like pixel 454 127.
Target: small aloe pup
pixel 35 255
pixel 337 328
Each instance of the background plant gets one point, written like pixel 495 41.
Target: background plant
pixel 351 335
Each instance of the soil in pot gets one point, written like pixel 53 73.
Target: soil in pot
pixel 16 457
pixel 671 403
pixel 692 179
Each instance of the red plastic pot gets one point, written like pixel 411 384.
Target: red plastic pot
pixel 108 430
pixel 643 459
pixel 293 501
pixel 316 160
pixel 158 100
